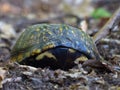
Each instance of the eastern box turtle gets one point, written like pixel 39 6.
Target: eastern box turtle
pixel 53 45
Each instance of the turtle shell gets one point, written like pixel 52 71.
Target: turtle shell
pixel 39 38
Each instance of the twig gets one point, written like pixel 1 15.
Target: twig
pixel 110 41
pixel 102 66
pixel 111 24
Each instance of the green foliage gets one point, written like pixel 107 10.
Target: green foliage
pixel 100 13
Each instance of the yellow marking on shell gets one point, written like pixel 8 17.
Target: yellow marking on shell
pixel 47 54
pixel 61 29
pixel 32 36
pixel 20 57
pixel 81 59
pixel 27 54
pixel 38 29
pixel 66 27
pixel 49 32
pixel 44 29
pixel 35 51
pixel 73 32
pixel 48 46
pixel 71 50
pixel 38 51
pixel 13 59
